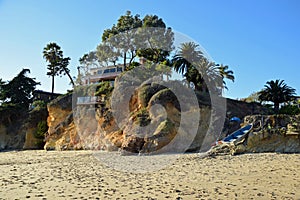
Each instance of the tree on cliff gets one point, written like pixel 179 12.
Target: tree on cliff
pixel 1 84
pixel 225 73
pixel 277 92
pixel 19 90
pixel 187 55
pixel 1 90
pixel 253 97
pixel 89 60
pixel 118 41
pixel 132 37
pixel 183 62
pixel 58 65
pixel 156 39
pixel 192 64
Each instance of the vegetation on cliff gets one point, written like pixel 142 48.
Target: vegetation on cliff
pixel 20 125
pixel 195 67
pixel 58 65
pixel 16 96
pixel 277 92
pixel 128 39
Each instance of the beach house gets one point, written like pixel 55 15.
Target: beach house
pixel 99 74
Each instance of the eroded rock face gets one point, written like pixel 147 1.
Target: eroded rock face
pixel 150 121
pixel 18 128
pixel 83 127
pixel 71 129
pixel 12 131
pixel 154 121
pixel 3 137
pixel 35 117
pixel 61 133
pixel 158 123
pixel 271 133
pixel 274 133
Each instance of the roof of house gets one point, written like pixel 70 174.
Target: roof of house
pixel 44 92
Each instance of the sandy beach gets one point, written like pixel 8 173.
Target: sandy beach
pixel 81 175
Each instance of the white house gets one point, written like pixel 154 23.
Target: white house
pixel 99 74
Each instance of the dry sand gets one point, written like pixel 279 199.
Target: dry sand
pixel 79 175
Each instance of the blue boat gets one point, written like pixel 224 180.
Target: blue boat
pixel 237 134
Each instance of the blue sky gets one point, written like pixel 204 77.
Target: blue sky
pixel 258 39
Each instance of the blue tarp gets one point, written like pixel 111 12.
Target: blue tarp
pixel 235 119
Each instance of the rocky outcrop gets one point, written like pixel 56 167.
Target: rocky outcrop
pixel 18 128
pixel 12 133
pixel 275 133
pixel 271 133
pixel 61 134
pixel 154 121
pixel 3 137
pixel 80 127
pixel 36 116
pixel 148 120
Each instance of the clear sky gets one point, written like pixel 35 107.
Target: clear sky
pixel 258 39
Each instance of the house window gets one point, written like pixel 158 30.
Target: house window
pixel 112 70
pixel 99 71
pixel 119 69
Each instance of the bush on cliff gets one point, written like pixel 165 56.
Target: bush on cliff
pixel 18 91
pixel 289 110
pixel 39 104
pixel 104 88
pixel 42 128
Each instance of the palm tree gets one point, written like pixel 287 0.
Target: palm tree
pixel 52 54
pixel 1 83
pixel 57 63
pixel 277 92
pixel 2 95
pixel 186 56
pixel 199 70
pixel 65 70
pixel 213 75
pixel 193 76
pixel 225 73
pixel 183 63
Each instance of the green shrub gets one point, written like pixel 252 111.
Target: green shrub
pixel 42 128
pixel 142 117
pixel 104 88
pixel 289 110
pixel 39 103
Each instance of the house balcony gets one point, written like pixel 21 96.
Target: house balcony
pixel 103 77
pixel 90 100
pixel 103 74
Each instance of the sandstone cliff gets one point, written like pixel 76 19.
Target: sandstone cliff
pixel 274 133
pixel 61 133
pixel 34 129
pixel 152 121
pixel 79 127
pixel 19 127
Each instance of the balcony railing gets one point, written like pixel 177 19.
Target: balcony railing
pixel 104 76
pixel 89 100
